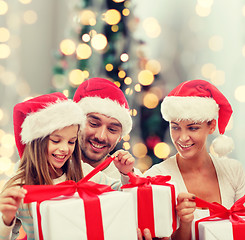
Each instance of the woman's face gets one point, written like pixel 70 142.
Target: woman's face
pixel 61 145
pixel 189 138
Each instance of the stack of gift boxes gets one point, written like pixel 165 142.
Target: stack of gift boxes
pixel 90 211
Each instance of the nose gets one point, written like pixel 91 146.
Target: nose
pixel 184 136
pixel 100 133
pixel 64 148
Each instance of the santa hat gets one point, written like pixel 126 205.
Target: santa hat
pixel 100 95
pixel 197 100
pixel 42 115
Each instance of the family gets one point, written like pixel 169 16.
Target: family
pixel 60 139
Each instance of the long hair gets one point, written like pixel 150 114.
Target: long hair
pixel 34 166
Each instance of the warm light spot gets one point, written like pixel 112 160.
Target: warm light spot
pixel 66 92
pixel 114 28
pixel 25 1
pixel 121 74
pixel 137 87
pixel 87 17
pixel 109 67
pixel 202 11
pixel 243 10
pixel 86 37
pixel 208 69
pixel 128 91
pixel 145 77
pixel 83 51
pixel 4 34
pixel 86 74
pixel 8 78
pixel 144 163
pixel 154 66
pixel 216 43
pixel 133 112
pixel 4 51
pixel 117 83
pixel 99 42
pixel 205 3
pixel 112 17
pixel 67 46
pixel 152 27
pixel 118 1
pixel 126 146
pixel 8 140
pixel 3 8
pixel 5 164
pixel 7 151
pixel 126 138
pixel 150 100
pixel 76 77
pixel 218 78
pixel 124 57
pixel 125 12
pixel 162 150
pixel 128 80
pixel 139 150
pixel 157 91
pixel 59 81
pixel 30 17
pixel 240 93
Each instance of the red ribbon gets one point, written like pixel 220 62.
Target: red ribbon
pixel 145 199
pixel 88 191
pixel 218 211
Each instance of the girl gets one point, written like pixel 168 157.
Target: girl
pixel 191 109
pixel 46 133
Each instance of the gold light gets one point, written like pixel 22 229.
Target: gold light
pixel 83 51
pixel 4 51
pixel 128 80
pixel 76 77
pixel 30 17
pixel 87 17
pixel 145 77
pixel 162 150
pixel 99 42
pixel 152 27
pixel 139 150
pixel 240 93
pixel 208 69
pixel 3 7
pixel 124 57
pixel 218 78
pixel 150 100
pixel 109 67
pixel 112 16
pixel 153 66
pixel 121 74
pixel 125 12
pixel 67 46
pixel 4 34
pixel 25 1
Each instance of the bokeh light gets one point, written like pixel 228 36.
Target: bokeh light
pixel 218 78
pixel 112 16
pixel 162 150
pixel 83 51
pixel 3 7
pixel 216 43
pixel 150 100
pixel 99 41
pixel 145 77
pixel 240 93
pixel 139 150
pixel 208 69
pixel 76 77
pixel 67 46
pixel 4 51
pixel 154 66
pixel 4 34
pixel 87 17
pixel 30 17
pixel 152 27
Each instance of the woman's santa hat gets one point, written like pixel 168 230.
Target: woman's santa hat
pixel 197 100
pixel 100 95
pixel 42 115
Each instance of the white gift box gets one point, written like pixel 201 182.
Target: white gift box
pixel 64 218
pixel 162 208
pixel 214 230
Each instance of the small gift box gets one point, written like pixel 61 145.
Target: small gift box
pixel 222 224
pixel 155 203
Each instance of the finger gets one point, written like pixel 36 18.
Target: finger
pixel 182 196
pixel 139 234
pixel 147 234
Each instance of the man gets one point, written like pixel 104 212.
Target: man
pixel 108 121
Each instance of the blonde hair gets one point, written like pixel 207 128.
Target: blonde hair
pixel 34 166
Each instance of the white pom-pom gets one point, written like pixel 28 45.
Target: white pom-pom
pixel 223 145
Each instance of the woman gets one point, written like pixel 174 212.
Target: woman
pixel 191 109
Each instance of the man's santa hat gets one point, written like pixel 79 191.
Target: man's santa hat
pixel 197 100
pixel 100 95
pixel 42 115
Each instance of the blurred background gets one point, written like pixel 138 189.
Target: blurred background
pixel 145 47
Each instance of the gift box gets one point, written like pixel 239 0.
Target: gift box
pixel 155 203
pixel 222 224
pixel 66 218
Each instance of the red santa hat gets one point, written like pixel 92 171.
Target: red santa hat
pixel 100 95
pixel 197 100
pixel 42 115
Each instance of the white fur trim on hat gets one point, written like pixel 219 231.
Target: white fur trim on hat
pixel 109 108
pixel 53 117
pixel 189 108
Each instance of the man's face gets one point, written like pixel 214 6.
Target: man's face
pixel 99 137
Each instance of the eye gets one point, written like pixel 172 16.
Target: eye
pixel 193 128
pixel 93 124
pixel 54 141
pixel 174 128
pixel 72 142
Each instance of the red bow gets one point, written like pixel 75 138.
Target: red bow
pixel 218 211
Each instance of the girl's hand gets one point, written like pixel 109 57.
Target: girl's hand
pixel 10 200
pixel 124 161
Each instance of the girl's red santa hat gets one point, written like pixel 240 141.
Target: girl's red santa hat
pixel 197 100
pixel 100 95
pixel 42 115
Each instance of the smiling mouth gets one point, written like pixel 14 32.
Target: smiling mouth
pixel 185 146
pixel 59 157
pixel 96 145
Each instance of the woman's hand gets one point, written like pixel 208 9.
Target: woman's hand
pixel 147 235
pixel 124 161
pixel 10 200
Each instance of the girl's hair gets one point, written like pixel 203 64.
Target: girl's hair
pixel 34 165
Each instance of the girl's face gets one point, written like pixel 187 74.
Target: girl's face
pixel 61 145
pixel 189 138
